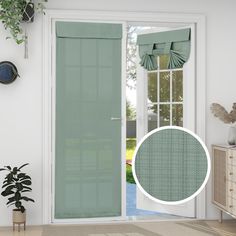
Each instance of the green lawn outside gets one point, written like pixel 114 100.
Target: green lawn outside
pixel 130 147
pixel 129 175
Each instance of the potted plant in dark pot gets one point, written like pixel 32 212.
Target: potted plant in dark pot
pixel 28 12
pixel 15 186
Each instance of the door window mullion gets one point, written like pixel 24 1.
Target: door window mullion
pixel 158 92
pixel 171 100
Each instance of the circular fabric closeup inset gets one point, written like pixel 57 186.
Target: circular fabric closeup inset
pixel 171 165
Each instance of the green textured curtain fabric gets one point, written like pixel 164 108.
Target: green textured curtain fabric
pixel 88 30
pixel 175 43
pixel 87 142
pixel 171 165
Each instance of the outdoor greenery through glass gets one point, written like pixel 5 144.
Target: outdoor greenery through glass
pixel 165 96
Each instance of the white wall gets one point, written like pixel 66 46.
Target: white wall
pixel 21 102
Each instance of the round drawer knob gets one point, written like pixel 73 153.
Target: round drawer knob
pixel 230 157
pixel 230 206
pixel 231 190
pixel 230 173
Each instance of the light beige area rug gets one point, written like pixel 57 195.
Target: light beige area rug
pixel 185 228
pixel 97 230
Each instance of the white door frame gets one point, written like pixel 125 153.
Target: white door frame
pixel 161 19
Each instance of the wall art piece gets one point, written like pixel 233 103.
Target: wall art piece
pixel 8 72
pixel 171 165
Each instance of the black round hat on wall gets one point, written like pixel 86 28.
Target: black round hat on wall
pixel 8 72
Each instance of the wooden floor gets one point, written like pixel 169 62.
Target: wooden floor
pixel 227 228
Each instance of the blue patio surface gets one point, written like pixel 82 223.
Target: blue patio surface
pixel 131 209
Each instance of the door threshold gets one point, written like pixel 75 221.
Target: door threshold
pixel 123 220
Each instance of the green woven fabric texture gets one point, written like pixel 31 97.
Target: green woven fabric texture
pixel 171 165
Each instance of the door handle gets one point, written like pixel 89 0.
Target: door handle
pixel 115 118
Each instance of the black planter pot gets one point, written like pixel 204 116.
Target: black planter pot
pixel 28 14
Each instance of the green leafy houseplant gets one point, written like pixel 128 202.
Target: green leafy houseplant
pixel 15 184
pixel 12 13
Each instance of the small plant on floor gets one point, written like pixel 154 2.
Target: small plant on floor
pixel 15 185
pixel 14 12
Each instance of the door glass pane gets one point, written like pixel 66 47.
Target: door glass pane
pixel 87 141
pixel 177 114
pixel 164 115
pixel 177 86
pixel 164 87
pixel 152 87
pixel 164 60
pixel 152 117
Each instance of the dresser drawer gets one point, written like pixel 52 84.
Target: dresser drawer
pixel 231 189
pixel 232 206
pixel 231 173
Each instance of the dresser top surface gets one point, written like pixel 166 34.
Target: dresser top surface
pixel 225 146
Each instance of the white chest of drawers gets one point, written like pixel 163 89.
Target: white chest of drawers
pixel 224 178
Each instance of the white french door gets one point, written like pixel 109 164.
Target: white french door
pixel 166 97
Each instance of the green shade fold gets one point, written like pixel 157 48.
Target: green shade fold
pixel 174 43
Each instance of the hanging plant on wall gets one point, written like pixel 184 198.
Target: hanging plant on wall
pixel 15 12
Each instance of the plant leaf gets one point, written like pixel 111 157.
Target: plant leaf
pixel 220 112
pixel 4 193
pixel 9 177
pixel 25 177
pixel 27 199
pixel 21 175
pixel 26 182
pixel 10 200
pixel 5 185
pixel 23 166
pixel 28 188
pixel 14 171
pixel 9 188
pixel 24 191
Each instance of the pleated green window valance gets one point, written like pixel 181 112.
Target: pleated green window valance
pixel 174 43
pixel 88 30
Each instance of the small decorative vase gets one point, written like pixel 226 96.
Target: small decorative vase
pixel 232 135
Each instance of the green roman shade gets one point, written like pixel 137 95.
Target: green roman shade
pixel 174 43
pixel 171 165
pixel 87 140
pixel 88 30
